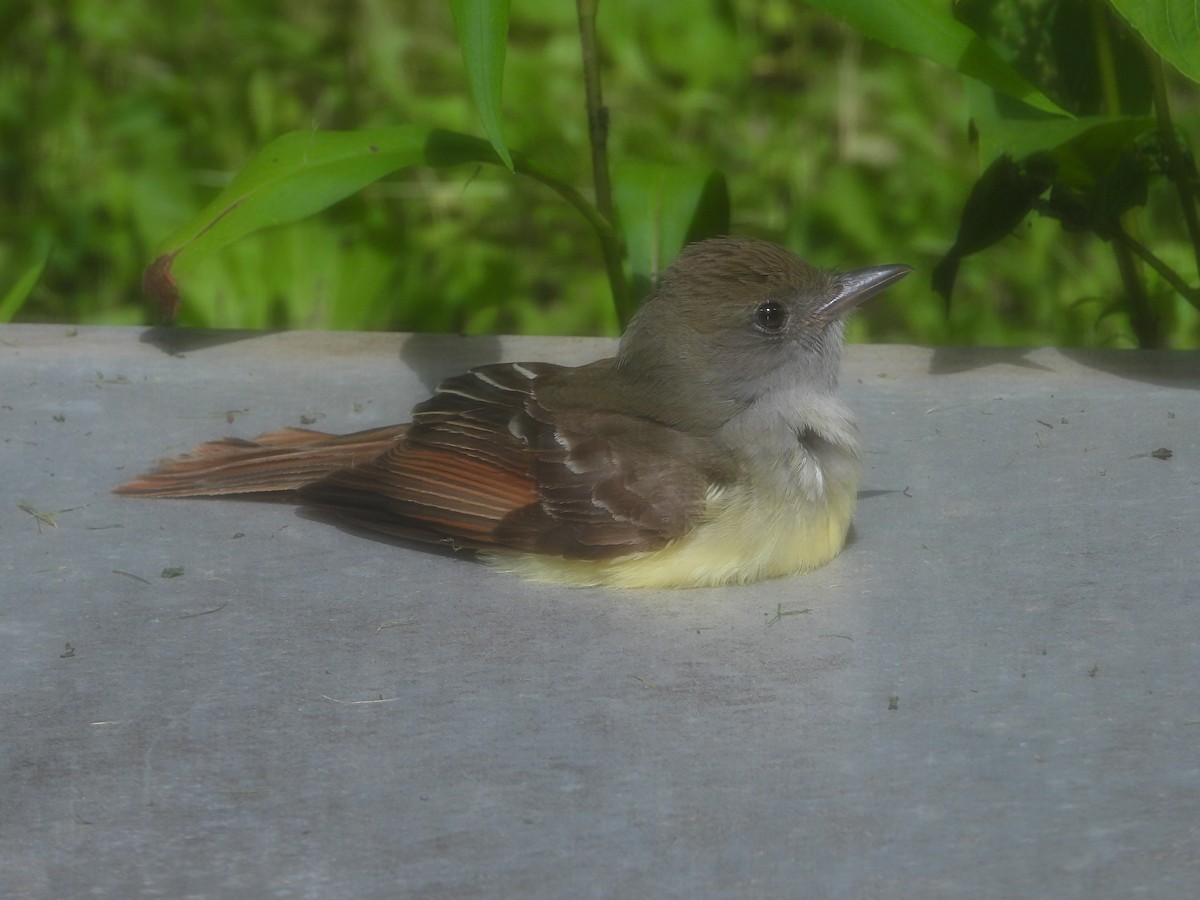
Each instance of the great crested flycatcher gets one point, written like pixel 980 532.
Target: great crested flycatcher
pixel 710 450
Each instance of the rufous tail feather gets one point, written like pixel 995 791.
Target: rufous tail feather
pixel 275 463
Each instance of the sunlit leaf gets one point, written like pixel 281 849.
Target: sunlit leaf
pixel 1171 27
pixel 482 27
pixel 295 176
pixel 1000 132
pixel 15 297
pixel 661 208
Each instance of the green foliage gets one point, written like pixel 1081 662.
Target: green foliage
pixel 116 131
pixel 304 172
pixel 930 30
pixel 666 207
pixel 16 295
pixel 482 27
pixel 1171 27
pixel 1091 173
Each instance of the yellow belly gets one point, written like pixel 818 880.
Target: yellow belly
pixel 740 539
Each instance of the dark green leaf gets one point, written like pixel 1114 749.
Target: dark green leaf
pixel 1086 40
pixel 1123 187
pixel 945 273
pixel 1096 173
pixel 1100 203
pixel 1069 208
pixel 1084 158
pixel 711 218
pixel 1000 199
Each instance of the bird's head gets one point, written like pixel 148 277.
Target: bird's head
pixel 734 319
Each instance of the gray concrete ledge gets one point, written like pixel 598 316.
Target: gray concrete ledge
pixel 993 692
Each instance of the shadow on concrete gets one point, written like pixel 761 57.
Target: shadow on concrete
pixel 401 544
pixel 435 357
pixel 1167 368
pixel 187 340
pixel 952 360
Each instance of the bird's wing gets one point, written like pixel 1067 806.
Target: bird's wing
pixel 484 465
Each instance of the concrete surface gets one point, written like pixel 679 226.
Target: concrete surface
pixel 993 692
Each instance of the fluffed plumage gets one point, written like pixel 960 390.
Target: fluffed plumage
pixel 709 450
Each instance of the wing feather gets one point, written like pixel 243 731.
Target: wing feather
pixel 484 464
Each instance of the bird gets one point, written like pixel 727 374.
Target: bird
pixel 711 449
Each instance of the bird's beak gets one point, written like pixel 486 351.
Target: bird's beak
pixel 852 288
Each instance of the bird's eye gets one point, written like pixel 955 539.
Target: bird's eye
pixel 770 316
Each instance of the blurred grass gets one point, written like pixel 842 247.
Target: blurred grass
pixel 117 122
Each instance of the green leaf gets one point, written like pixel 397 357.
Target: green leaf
pixel 661 208
pixel 1102 174
pixel 1092 153
pixel 1092 166
pixel 1171 27
pixel 482 27
pixel 999 200
pixel 927 28
pixel 1000 132
pixel 295 176
pixel 1088 46
pixel 14 299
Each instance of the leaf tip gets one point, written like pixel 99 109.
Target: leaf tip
pixel 945 273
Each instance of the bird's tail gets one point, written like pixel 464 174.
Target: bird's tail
pixel 275 464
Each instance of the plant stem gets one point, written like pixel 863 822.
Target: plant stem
pixel 1106 67
pixel 597 114
pixel 1169 275
pixel 1142 320
pixel 1177 168
pixel 609 242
